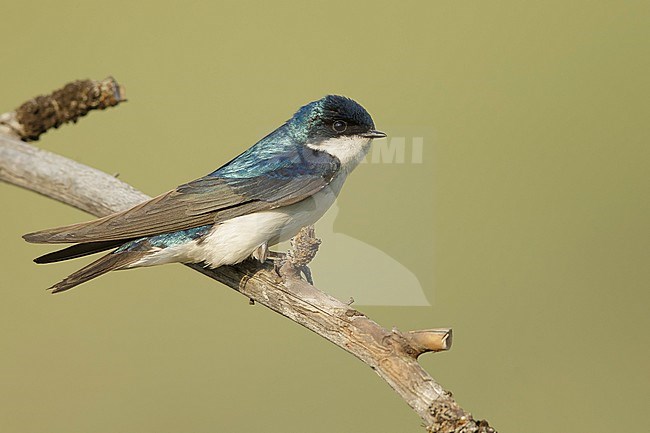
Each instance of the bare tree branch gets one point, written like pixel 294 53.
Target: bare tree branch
pixel 391 354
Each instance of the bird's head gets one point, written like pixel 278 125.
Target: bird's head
pixel 337 125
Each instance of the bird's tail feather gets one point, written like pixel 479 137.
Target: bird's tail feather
pixel 79 250
pixel 109 262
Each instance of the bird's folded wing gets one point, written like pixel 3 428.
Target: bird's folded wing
pixel 207 200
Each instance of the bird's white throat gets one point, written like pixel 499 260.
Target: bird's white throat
pixel 350 150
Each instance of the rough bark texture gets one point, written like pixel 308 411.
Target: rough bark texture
pixel 390 353
pixel 67 104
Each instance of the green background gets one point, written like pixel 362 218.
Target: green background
pixel 526 223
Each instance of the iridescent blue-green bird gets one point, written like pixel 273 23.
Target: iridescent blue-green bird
pixel 284 182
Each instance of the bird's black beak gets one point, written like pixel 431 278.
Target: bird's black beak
pixel 373 134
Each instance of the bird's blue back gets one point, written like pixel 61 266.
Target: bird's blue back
pixel 282 151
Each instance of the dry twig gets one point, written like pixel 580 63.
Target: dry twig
pixel 391 354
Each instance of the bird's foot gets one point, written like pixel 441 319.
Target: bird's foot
pixel 279 260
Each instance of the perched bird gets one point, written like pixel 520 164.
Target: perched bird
pixel 284 182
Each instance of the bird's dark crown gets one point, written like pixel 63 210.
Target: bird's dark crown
pixel 330 117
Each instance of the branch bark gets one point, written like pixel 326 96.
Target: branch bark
pixel 391 354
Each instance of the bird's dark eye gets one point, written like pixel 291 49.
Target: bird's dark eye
pixel 339 126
